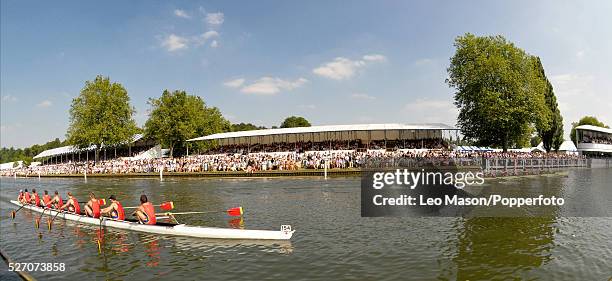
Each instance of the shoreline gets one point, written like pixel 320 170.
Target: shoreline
pixel 292 173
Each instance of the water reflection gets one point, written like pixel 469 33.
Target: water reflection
pixel 492 247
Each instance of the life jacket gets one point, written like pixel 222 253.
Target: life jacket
pixel 36 199
pixel 27 197
pixel 119 211
pixel 77 207
pixel 150 212
pixel 47 200
pixel 95 208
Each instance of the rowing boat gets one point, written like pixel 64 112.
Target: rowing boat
pixel 170 228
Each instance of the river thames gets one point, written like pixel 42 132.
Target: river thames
pixel 332 241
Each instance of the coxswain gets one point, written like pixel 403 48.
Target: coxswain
pixel 92 208
pixel 26 197
pixel 35 199
pixel 57 201
pixel 72 204
pixel 47 199
pixel 115 210
pixel 145 212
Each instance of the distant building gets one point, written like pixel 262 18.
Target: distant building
pixel 594 141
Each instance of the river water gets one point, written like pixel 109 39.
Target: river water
pixel 332 241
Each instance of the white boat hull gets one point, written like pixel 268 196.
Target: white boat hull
pixel 180 229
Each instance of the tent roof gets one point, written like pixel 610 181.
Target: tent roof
pixel 73 149
pixel 326 128
pixel 594 128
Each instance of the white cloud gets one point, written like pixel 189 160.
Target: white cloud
pixel 44 104
pixel 9 98
pixel 202 38
pixel 272 86
pixel 214 44
pixel 361 96
pixel 174 43
pixel 579 95
pixel 432 110
pixel 215 19
pixel 342 68
pixel 181 14
pixel 374 57
pixel 236 83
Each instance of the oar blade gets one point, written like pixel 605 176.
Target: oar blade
pixel 102 202
pixel 167 206
pixel 235 212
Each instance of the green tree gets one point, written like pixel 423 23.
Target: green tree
pixel 550 129
pixel 176 117
pixel 295 121
pixel 586 120
pixel 535 141
pixel 497 91
pixel 101 115
pixel 246 127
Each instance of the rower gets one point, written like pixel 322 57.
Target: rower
pixel 92 208
pixel 115 210
pixel 72 204
pixel 47 199
pixel 35 199
pixel 57 201
pixel 26 197
pixel 145 212
pixel 20 197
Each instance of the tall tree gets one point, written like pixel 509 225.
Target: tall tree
pixel 586 120
pixel 549 129
pixel 177 116
pixel 245 127
pixel 497 91
pixel 101 115
pixel 295 121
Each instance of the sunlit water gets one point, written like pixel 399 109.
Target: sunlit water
pixel 332 241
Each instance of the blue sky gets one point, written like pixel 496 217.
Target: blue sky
pixel 333 62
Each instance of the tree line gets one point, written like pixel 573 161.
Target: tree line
pixel 102 115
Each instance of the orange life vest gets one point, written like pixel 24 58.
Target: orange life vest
pixel 95 208
pixel 150 212
pixel 77 207
pixel 47 200
pixel 120 212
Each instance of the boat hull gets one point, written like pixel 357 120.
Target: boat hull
pixel 179 229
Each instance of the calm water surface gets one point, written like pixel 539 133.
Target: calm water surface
pixel 332 241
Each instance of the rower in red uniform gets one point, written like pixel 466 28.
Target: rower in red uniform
pixel 57 201
pixel 47 200
pixel 20 197
pixel 115 210
pixel 145 212
pixel 72 204
pixel 92 208
pixel 26 197
pixel 35 198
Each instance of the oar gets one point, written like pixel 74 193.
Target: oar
pixel 51 221
pixel 13 213
pixel 37 222
pixel 166 206
pixel 235 212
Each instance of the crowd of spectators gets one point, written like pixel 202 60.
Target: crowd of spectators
pixel 264 161
pixel 599 140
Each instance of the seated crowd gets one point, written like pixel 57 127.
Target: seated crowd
pixel 234 158
pixel 599 140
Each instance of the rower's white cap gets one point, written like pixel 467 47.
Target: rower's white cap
pixel 21 190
